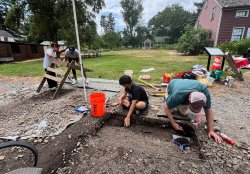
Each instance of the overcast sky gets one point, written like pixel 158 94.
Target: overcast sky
pixel 151 8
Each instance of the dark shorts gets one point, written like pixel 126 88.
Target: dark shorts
pixel 70 60
pixel 130 100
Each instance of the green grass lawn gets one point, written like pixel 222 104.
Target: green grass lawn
pixel 111 65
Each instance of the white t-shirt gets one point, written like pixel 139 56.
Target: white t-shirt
pixel 47 61
pixel 72 55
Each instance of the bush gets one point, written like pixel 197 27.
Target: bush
pixel 236 47
pixel 193 41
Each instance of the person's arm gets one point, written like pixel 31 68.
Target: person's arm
pixel 130 112
pixel 52 56
pixel 210 125
pixel 168 112
pixel 122 97
pixel 65 58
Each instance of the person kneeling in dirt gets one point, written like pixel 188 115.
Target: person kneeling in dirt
pixel 50 54
pixel 190 95
pixel 73 54
pixel 134 98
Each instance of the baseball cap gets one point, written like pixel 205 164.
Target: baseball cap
pixel 72 48
pixel 197 101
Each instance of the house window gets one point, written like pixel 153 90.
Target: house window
pixel 242 13
pixel 248 33
pixel 212 14
pixel 33 49
pixel 237 33
pixel 5 39
pixel 15 48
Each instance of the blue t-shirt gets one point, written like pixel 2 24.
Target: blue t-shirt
pixel 179 90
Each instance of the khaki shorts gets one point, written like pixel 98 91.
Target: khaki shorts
pixel 183 109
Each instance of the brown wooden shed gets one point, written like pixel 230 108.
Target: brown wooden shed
pixel 20 51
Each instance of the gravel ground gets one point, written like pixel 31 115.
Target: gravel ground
pixel 138 149
pixel 120 150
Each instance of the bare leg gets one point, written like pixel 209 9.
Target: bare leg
pixel 140 105
pixel 183 109
pixel 125 102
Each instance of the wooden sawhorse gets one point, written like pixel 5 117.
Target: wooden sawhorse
pixel 58 71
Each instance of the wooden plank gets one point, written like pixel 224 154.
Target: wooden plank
pixel 73 66
pixel 59 62
pixel 52 78
pixel 41 85
pixel 62 82
pixel 57 71
pixel 176 115
pixel 231 63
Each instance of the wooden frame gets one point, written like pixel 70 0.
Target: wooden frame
pixel 62 80
pixel 231 63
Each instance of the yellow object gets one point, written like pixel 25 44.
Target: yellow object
pixel 204 81
pixel 152 86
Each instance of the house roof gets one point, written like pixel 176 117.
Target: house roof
pixel 147 41
pixel 233 3
pixel 60 42
pixel 5 34
pixel 161 39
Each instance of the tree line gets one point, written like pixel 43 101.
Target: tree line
pixel 39 20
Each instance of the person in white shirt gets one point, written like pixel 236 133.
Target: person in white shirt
pixel 50 54
pixel 73 54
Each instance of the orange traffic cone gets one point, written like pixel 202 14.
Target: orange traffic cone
pixel 217 63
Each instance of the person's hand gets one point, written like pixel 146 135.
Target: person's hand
pixel 177 127
pixel 127 122
pixel 120 101
pixel 217 138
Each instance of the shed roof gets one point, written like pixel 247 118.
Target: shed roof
pixel 5 34
pixel 148 41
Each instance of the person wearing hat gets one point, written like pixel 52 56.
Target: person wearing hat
pixel 73 54
pixel 192 95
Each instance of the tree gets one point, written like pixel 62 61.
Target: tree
pixel 15 16
pixel 199 6
pixel 132 13
pixel 108 23
pixel 193 41
pixel 112 40
pixel 142 33
pixel 171 22
pixel 53 20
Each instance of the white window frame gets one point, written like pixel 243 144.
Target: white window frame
pixel 242 11
pixel 212 13
pixel 242 35
pixel 248 33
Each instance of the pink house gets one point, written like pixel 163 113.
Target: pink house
pixel 228 20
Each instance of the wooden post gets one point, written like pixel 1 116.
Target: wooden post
pixel 208 63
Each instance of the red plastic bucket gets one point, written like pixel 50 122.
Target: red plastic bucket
pixel 97 102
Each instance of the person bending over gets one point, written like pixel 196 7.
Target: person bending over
pixel 73 54
pixel 190 95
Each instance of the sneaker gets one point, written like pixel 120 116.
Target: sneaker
pixel 138 112
pixel 74 82
pixel 53 89
pixel 87 80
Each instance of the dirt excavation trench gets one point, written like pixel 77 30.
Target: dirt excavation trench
pixel 142 148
